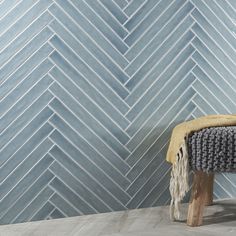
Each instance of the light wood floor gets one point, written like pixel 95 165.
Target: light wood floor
pixel 219 219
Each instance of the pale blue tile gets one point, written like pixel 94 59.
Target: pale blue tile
pixel 108 18
pixel 78 188
pixel 84 177
pixel 114 10
pixel 115 40
pixel 24 21
pixel 133 7
pixel 24 184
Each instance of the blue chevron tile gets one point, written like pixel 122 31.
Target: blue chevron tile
pixel 228 8
pixel 229 177
pixel 86 109
pixel 141 28
pixel 108 18
pixel 142 193
pixel 63 205
pixel 6 6
pixel 85 68
pixel 218 92
pixel 56 214
pixel 169 33
pixel 203 91
pixel 133 7
pixel 34 205
pixel 162 180
pixel 144 144
pixel 86 40
pixel 43 213
pixel 23 38
pixel 232 3
pixel 25 151
pixel 92 140
pixel 211 45
pixel 121 3
pixel 90 90
pixel 197 113
pixel 23 201
pixel 114 39
pixel 22 120
pixel 152 83
pixel 87 27
pixel 159 33
pixel 163 199
pixel 151 159
pixel 101 67
pixel 24 184
pixel 26 52
pixel 19 140
pixel 14 14
pixel 214 34
pixel 139 13
pixel 150 63
pixel 160 97
pixel 114 10
pixel 205 107
pixel 64 175
pixel 85 102
pixel 84 177
pixel 212 18
pixel 73 198
pixel 25 102
pixel 25 165
pixel 214 61
pixel 224 181
pixel 25 86
pixel 96 165
pixel 24 70
pixel 143 157
pixel 220 13
pixel 90 121
pixel 210 71
pixel 87 134
pixel 24 21
pixel 145 85
pixel 151 92
pixel 220 191
pixel 139 179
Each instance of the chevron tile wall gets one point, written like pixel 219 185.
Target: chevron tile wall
pixel 90 91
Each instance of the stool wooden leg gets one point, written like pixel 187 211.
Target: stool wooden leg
pixel 209 190
pixel 198 198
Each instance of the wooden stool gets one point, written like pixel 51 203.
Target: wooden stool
pixel 201 196
pixel 210 150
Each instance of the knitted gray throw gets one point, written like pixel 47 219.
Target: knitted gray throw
pixel 213 149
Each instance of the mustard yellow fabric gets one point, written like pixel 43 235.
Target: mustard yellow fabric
pixel 183 129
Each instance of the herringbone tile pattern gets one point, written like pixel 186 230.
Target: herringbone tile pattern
pixel 90 90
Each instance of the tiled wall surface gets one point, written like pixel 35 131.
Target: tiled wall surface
pixel 90 91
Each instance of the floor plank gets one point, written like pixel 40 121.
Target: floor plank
pixel 219 219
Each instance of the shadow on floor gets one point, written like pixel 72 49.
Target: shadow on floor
pixel 228 214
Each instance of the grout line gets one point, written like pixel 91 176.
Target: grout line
pixel 84 154
pixel 78 180
pixel 85 139
pixel 88 173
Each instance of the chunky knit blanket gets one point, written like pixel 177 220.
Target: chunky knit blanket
pixel 213 149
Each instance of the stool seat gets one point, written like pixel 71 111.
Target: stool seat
pixel 210 150
pixel 213 149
